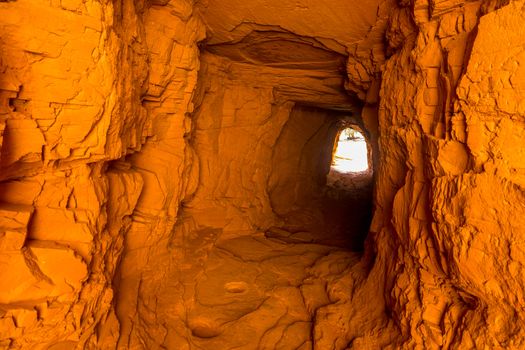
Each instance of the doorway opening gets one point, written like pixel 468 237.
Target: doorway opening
pixel 350 152
pixel 351 167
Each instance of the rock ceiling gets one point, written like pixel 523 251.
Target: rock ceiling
pixel 312 38
pixel 337 24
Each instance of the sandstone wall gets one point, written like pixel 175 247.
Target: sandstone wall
pixel 165 163
pixel 302 157
pixel 449 186
pixel 83 85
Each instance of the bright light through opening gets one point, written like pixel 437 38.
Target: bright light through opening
pixel 351 154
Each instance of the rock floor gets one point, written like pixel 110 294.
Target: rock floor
pixel 251 292
pixel 259 291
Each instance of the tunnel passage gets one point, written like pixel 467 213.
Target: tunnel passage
pixel 256 238
pixel 319 202
pixel 305 79
pixel 253 248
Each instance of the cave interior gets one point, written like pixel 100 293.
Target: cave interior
pixel 177 174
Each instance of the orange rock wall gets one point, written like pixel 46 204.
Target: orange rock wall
pixel 449 189
pixel 83 86
pixel 301 158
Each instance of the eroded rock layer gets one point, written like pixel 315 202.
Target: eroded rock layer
pixel 163 174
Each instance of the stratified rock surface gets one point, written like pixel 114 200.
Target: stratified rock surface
pixel 163 174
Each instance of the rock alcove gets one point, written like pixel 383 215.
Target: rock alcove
pixel 166 180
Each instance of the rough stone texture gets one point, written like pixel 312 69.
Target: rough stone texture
pixel 76 99
pixel 443 177
pixel 163 173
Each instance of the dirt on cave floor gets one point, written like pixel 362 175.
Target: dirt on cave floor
pixel 266 289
